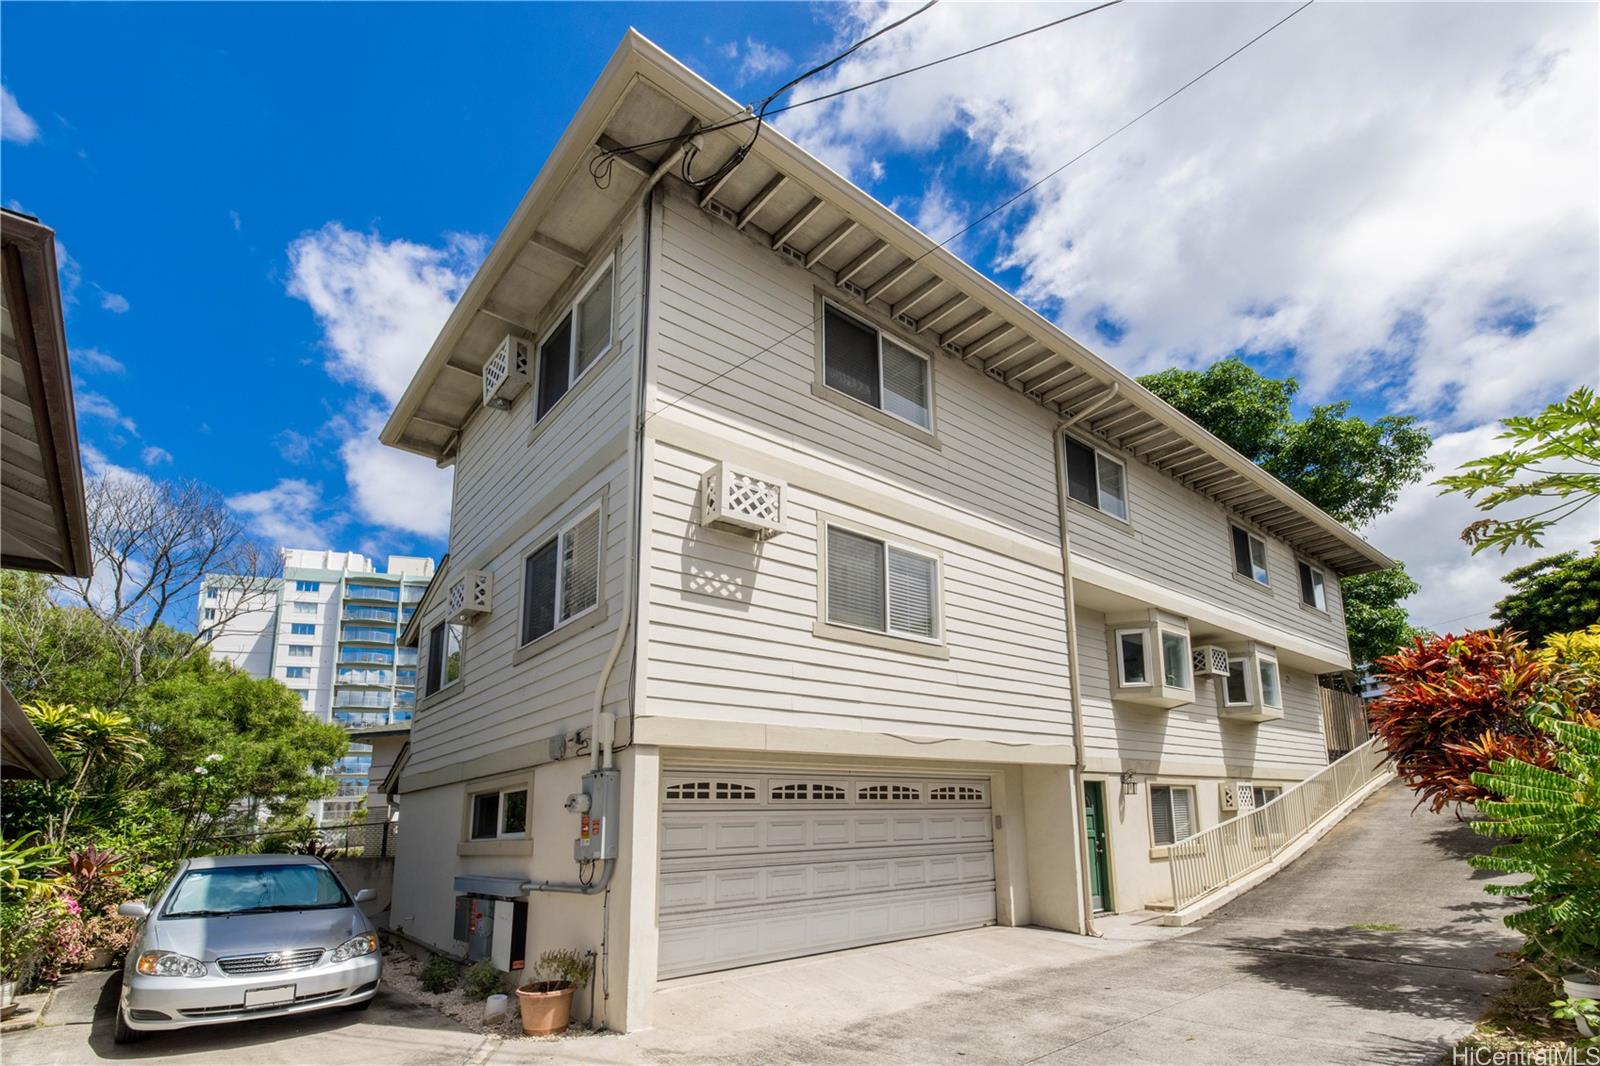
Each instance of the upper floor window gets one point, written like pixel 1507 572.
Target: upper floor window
pixel 1236 690
pixel 1311 591
pixel 864 364
pixel 302 629
pixel 444 656
pixel 1095 478
pixel 297 671
pixel 1249 555
pixel 561 577
pixel 1271 693
pixel 211 592
pixel 880 586
pixel 305 607
pixel 299 650
pixel 583 335
pixel 211 614
pixel 307 586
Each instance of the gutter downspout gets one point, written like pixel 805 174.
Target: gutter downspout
pixel 602 726
pixel 1080 829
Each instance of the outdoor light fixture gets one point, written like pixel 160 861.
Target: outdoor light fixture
pixel 1130 784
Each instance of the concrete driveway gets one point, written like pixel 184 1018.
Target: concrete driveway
pixel 394 1031
pixel 1374 947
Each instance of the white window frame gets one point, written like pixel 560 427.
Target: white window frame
pixel 1255 790
pixel 500 795
pixel 825 610
pixel 1319 583
pixel 879 332
pixel 1099 493
pixel 1194 812
pixel 570 311
pixel 1143 633
pixel 461 658
pixel 306 653
pixel 1249 688
pixel 560 537
pixel 1262 660
pixel 1233 560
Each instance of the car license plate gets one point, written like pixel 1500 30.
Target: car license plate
pixel 266 997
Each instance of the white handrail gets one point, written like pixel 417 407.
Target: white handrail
pixel 1222 854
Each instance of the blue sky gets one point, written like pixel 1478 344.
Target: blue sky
pixel 244 189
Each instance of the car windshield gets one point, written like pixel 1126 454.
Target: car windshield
pixel 255 890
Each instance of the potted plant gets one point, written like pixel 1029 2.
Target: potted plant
pixel 546 998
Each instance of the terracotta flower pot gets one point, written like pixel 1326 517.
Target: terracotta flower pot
pixel 544 1013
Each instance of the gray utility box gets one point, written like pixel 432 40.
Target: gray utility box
pixel 597 827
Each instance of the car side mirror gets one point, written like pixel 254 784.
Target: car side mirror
pixel 365 894
pixel 133 909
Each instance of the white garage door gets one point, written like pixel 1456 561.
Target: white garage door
pixel 761 865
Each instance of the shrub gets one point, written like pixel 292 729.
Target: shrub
pixel 438 974
pixel 1456 704
pixel 1551 818
pixel 482 980
pixel 559 969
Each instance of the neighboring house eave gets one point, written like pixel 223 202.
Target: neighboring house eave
pixel 849 241
pixel 23 752
pixel 44 522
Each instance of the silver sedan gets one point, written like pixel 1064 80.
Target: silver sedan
pixel 246 936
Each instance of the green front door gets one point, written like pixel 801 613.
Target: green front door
pixel 1094 816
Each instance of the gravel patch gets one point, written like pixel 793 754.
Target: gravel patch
pixel 400 974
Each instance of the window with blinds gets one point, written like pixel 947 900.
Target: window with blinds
pixel 561 578
pixel 1171 814
pixel 859 361
pixel 882 587
pixel 1095 478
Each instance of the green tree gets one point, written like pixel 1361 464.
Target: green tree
pixel 1554 455
pixel 228 746
pixel 1377 623
pixel 1556 594
pixel 101 752
pixel 1351 468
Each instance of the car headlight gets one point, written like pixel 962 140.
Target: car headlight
pixel 169 964
pixel 354 948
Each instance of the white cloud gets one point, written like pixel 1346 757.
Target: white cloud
pixel 16 125
pixel 1460 589
pixel 95 405
pixel 116 303
pixel 238 223
pixel 154 456
pixel 1397 200
pixel 294 446
pixel 287 514
pixel 94 360
pixel 69 272
pixel 380 304
pixel 761 60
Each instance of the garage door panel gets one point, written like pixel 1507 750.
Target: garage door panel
pixel 759 866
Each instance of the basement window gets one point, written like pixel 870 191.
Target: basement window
pixel 864 364
pixel 579 340
pixel 1172 815
pixel 500 815
pixel 1096 478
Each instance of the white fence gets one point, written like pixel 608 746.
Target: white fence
pixel 1222 854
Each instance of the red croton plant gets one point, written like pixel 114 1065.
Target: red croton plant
pixel 1455 704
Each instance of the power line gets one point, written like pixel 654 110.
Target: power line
pixel 1006 202
pixel 748 113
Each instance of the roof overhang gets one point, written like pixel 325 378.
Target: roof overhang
pixel 43 521
pixel 785 197
pixel 23 752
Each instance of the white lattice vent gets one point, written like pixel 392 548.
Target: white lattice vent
pixel 471 597
pixel 1210 661
pixel 741 501
pixel 1236 796
pixel 507 372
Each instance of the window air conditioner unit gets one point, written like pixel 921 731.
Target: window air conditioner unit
pixel 508 371
pixel 739 501
pixel 1237 796
pixel 1210 661
pixel 472 596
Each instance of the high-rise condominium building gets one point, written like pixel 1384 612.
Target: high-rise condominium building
pixel 327 630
